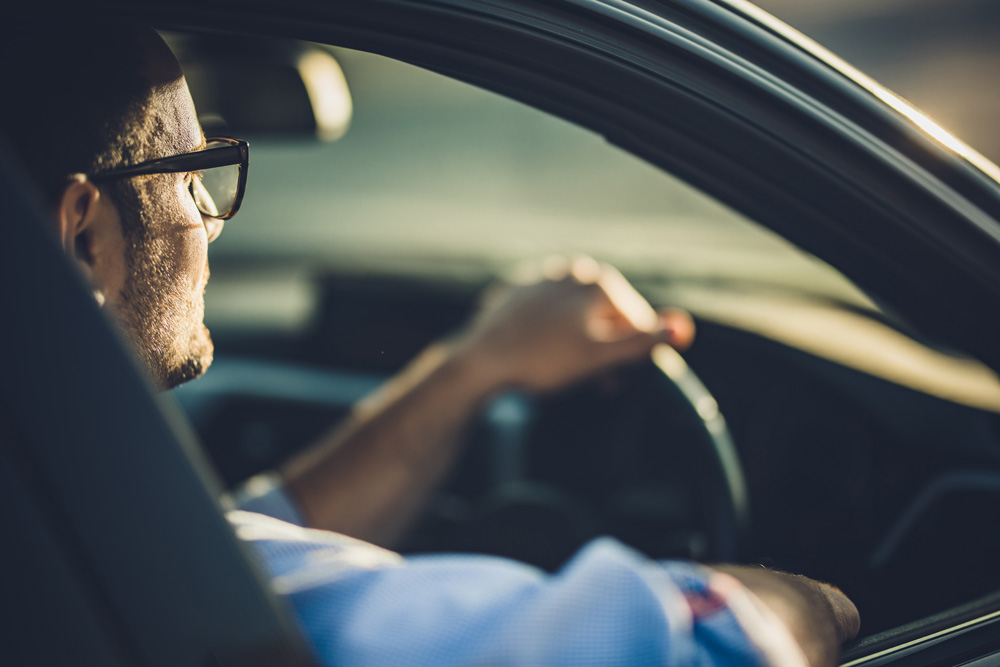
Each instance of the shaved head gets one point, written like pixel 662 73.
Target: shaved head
pixel 77 94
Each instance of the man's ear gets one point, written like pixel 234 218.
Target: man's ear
pixel 89 230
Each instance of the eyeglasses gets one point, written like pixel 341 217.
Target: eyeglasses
pixel 219 174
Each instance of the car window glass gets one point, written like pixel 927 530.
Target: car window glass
pixel 436 177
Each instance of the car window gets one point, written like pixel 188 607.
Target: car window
pixel 439 178
pixel 342 249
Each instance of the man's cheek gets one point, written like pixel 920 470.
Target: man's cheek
pixel 197 260
pixel 189 258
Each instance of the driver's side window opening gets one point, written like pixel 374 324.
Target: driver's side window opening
pixel 437 178
pixel 353 254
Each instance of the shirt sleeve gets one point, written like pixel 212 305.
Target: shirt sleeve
pixel 265 494
pixel 362 605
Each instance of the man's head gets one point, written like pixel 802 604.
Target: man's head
pixel 83 99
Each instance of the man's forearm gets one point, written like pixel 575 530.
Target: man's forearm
pixel 819 617
pixel 370 476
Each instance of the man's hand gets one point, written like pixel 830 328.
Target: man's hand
pixel 819 617
pixel 562 322
pixel 568 321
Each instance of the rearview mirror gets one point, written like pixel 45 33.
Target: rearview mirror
pixel 264 88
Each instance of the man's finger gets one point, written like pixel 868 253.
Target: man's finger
pixel 627 301
pixel 634 347
pixel 679 328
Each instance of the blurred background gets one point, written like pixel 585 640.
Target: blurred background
pixel 941 55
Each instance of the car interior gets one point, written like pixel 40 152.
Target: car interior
pixel 809 428
pixel 869 453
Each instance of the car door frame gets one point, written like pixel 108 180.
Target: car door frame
pixel 741 108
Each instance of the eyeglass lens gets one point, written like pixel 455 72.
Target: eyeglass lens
pixel 214 189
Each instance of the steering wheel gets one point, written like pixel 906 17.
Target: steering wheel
pixel 727 491
pixel 643 455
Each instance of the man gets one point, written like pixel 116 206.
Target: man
pixel 108 130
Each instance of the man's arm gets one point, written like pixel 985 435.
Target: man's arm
pixel 369 477
pixel 818 616
pixel 608 605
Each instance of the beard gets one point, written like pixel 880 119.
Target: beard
pixel 161 315
pixel 164 325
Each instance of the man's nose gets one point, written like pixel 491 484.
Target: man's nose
pixel 213 226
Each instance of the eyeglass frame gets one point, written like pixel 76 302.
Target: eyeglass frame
pixel 237 152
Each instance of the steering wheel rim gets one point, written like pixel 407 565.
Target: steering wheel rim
pixel 731 511
pixel 532 511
